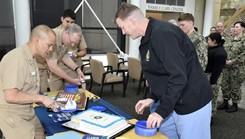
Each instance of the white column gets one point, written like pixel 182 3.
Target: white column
pixel 208 17
pixel 21 21
pixel 134 44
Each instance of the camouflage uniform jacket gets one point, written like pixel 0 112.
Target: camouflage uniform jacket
pixel 236 52
pixel 201 46
pixel 226 36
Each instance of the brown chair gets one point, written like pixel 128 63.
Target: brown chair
pixel 135 72
pixel 86 69
pixel 102 77
pixel 115 62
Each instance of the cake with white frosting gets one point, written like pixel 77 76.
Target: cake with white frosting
pixel 98 123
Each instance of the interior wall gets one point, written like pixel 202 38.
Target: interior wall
pixel 7 33
pixel 199 15
pixel 165 16
pixel 216 15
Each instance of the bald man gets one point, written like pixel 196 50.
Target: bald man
pixel 19 86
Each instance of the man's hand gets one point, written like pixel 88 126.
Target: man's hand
pixel 142 104
pixel 80 75
pixel 50 103
pixel 228 62
pixel 74 55
pixel 154 120
pixel 77 81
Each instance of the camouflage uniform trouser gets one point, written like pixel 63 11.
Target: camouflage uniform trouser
pixel 231 83
pixel 215 89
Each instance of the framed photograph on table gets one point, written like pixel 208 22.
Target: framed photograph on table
pixel 80 99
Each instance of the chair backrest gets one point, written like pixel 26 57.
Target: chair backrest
pixel 85 66
pixel 113 60
pixel 97 70
pixel 134 68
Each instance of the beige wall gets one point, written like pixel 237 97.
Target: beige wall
pixel 157 15
pixel 165 16
pixel 199 15
pixel 216 15
pixel 195 7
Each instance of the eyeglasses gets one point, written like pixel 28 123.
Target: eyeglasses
pixel 73 43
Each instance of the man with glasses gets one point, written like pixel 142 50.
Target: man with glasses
pixel 65 38
pixel 75 52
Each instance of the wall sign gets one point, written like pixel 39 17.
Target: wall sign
pixel 169 8
pixel 166 5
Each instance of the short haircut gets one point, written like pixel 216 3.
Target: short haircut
pixel 217 37
pixel 69 13
pixel 41 31
pixel 213 28
pixel 186 17
pixel 74 28
pixel 241 23
pixel 219 22
pixel 125 10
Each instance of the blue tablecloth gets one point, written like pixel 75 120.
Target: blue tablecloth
pixel 52 127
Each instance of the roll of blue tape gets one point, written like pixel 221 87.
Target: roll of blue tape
pixel 142 130
pixel 71 88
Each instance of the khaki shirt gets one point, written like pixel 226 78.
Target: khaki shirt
pixel 19 70
pixel 59 50
pixel 80 46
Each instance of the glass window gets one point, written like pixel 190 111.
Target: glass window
pixel 161 2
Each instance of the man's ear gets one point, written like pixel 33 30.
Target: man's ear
pixel 192 23
pixel 61 18
pixel 132 21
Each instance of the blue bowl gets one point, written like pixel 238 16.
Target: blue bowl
pixel 71 88
pixel 141 129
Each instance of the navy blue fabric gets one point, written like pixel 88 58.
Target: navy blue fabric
pixel 52 127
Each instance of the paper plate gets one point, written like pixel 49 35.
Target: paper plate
pixel 72 110
pixel 98 108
